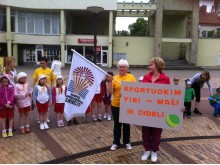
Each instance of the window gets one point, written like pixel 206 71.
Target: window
pixel 35 22
pixel 13 20
pixel 21 22
pixel 2 19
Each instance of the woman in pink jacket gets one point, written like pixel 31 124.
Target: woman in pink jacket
pixel 23 99
pixel 150 135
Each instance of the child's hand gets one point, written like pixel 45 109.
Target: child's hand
pixel 183 109
pixel 27 94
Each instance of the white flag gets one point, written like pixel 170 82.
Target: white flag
pixel 84 79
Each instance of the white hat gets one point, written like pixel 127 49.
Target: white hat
pixel 21 74
pixel 59 76
pixel 41 76
pixel 141 78
pixel 188 83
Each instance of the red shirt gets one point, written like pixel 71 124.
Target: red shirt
pixel 163 79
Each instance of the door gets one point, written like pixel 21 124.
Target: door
pixel 38 53
pixel 104 58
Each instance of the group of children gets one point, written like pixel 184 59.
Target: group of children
pixel 214 100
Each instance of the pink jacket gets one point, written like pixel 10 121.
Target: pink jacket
pixel 6 95
pixel 20 90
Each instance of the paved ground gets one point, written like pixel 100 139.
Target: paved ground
pixel 197 142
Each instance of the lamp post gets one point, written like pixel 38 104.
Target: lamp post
pixel 95 10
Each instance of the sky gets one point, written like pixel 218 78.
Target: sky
pixel 123 22
pixel 208 3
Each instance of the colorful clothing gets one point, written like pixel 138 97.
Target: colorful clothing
pixel 7 96
pixel 150 135
pixel 189 94
pixel 117 87
pixel 20 91
pixel 47 72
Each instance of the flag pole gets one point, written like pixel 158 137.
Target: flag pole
pixel 73 50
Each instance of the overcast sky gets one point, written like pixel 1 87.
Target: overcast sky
pixel 123 22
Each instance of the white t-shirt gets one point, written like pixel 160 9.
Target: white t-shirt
pixel 56 67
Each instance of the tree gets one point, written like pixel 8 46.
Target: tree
pixel 122 33
pixel 139 28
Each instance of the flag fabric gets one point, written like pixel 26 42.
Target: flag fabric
pixel 84 79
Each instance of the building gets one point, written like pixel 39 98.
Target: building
pixel 35 28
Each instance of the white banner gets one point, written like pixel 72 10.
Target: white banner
pixel 84 79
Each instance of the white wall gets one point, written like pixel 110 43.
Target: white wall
pixel 61 4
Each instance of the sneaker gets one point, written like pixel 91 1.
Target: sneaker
pixel 61 123
pixel 105 116
pixel 114 147
pixel 109 117
pixel 22 130
pixel 10 133
pixel 27 129
pixel 48 120
pixel 46 125
pixel 146 155
pixel 58 124
pixel 153 157
pixel 189 116
pixel 4 134
pixel 94 118
pixel 99 117
pixel 75 121
pixel 196 111
pixel 128 146
pixel 41 126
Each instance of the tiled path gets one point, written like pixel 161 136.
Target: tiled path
pixel 197 142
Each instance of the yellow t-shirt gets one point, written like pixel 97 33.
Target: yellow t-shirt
pixel 117 87
pixel 47 72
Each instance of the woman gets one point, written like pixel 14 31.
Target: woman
pixel 198 80
pixel 114 87
pixel 151 136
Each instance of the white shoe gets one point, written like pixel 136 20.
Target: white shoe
pixel 41 126
pixel 109 117
pixel 114 147
pixel 105 116
pixel 48 120
pixel 61 123
pixel 146 155
pixel 46 125
pixel 58 124
pixel 128 146
pixel 153 157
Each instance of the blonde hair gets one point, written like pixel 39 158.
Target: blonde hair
pixel 123 62
pixel 159 62
pixel 7 63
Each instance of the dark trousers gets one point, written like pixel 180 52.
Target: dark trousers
pixel 117 128
pixel 188 108
pixel 151 138
pixel 197 89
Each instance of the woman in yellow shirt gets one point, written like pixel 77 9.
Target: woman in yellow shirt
pixel 114 87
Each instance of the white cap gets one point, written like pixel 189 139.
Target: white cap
pixel 41 76
pixel 141 78
pixel 189 83
pixel 59 76
pixel 21 74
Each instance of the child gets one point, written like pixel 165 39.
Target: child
pixel 106 98
pixel 97 100
pixel 215 102
pixel 140 79
pixel 58 99
pixel 6 105
pixel 176 80
pixel 42 99
pixel 23 99
pixel 189 96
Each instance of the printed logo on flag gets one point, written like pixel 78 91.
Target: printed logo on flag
pixel 83 78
